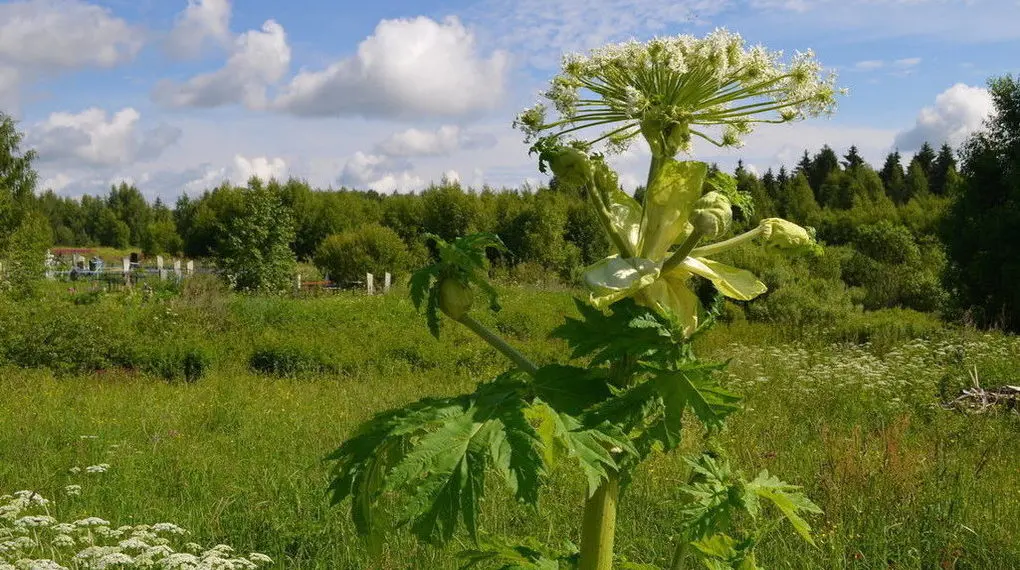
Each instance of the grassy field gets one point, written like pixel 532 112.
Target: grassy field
pixel 235 456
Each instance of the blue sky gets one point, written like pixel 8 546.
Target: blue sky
pixel 179 95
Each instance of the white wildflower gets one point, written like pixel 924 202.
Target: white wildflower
pixel 63 541
pixel 91 522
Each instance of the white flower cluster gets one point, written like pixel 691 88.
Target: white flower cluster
pixel 910 372
pixel 674 86
pixel 32 539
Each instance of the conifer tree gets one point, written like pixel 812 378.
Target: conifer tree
pixel 852 159
pixel 926 158
pixel 893 177
pixel 943 170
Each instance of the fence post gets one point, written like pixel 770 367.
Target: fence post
pixel 49 263
pixel 177 269
pixel 370 284
pixel 126 268
pixel 387 279
pixel 297 283
pixel 190 267
pixel 159 267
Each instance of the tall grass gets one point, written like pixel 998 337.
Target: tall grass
pixel 235 454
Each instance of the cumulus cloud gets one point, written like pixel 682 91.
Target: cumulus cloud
pixel 957 113
pixel 409 67
pixel 201 23
pixel 92 138
pixel 440 142
pixel 238 173
pixel 380 173
pixel 259 58
pixel 41 38
pixel 64 34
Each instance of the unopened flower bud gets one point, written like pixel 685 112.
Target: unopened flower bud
pixel 783 234
pixel 455 298
pixel 571 166
pixel 712 215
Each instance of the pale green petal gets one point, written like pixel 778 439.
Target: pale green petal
pixel 669 201
pixel 625 215
pixel 735 283
pixel 624 212
pixel 672 294
pixel 615 277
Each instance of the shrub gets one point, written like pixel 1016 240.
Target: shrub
pixel 372 248
pixel 886 328
pixel 803 290
pixel 894 269
pixel 175 363
pixel 289 361
pixel 255 253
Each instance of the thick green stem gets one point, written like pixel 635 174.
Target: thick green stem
pixel 499 344
pixel 681 254
pixel 598 529
pixel 678 554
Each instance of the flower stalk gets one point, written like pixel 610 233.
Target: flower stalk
pixel 499 344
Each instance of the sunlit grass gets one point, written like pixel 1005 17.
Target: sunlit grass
pixel 236 456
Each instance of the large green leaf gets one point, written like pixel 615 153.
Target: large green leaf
pixel 596 450
pixel 692 385
pixel 785 497
pixel 668 203
pixel 629 331
pixel 530 555
pixel 569 389
pixel 431 458
pixel 652 411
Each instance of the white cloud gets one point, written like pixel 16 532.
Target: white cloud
pixel 51 35
pixel 92 138
pixel 869 65
pixel 907 62
pixel 10 79
pixel 441 142
pixel 57 182
pixel 542 30
pixel 196 181
pixel 409 67
pixel 202 22
pixel 260 166
pixel 451 177
pixel 380 173
pixel 957 112
pixel 876 64
pixel 259 59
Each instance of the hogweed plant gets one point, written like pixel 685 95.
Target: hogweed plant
pixel 636 381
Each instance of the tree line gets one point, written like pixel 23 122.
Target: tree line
pixel 898 220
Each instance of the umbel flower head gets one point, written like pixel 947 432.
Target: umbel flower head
pixel 672 89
